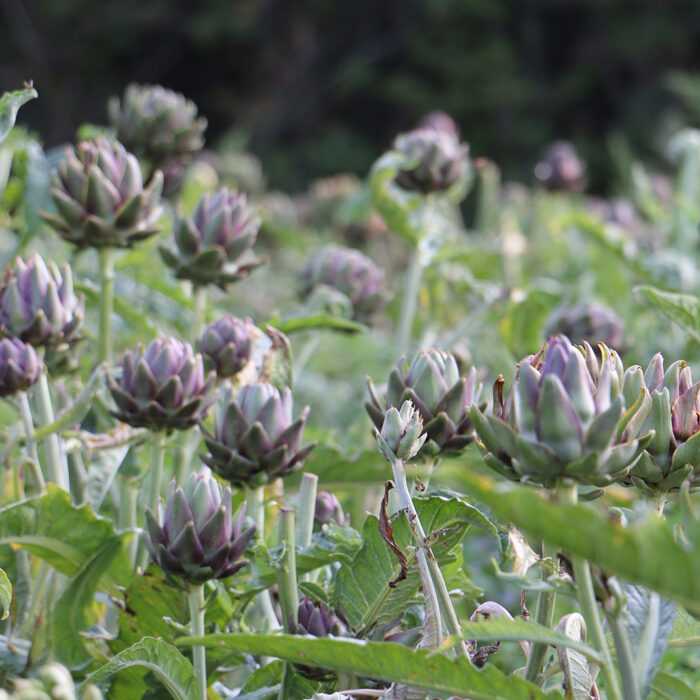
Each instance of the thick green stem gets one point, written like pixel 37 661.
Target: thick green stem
pixel 410 301
pixel 255 503
pixel 199 655
pixel 78 477
pixel 287 572
pixel 106 304
pixel 29 443
pixel 55 463
pixel 306 509
pixel 434 573
pixel 155 480
pixel 199 311
pixel 128 513
pixel 624 658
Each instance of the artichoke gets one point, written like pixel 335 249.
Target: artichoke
pixel 351 273
pixel 163 387
pixel 671 408
pixel 157 124
pixel 435 160
pixel 401 436
pixel 440 121
pixel 255 439
pixel 589 322
pixel 52 680
pixel 207 247
pixel 560 419
pixel 328 509
pixel 100 197
pixel 37 303
pixel 20 366
pixel 227 345
pixel 560 168
pixel 442 397
pixel 198 538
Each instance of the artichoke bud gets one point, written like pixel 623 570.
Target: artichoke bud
pixel 227 345
pixel 560 168
pixel 20 366
pixel 587 321
pixel 328 509
pixel 402 434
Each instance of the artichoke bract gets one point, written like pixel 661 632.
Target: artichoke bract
pixel 207 247
pixel 163 387
pixel 20 367
pixel 351 273
pixel 100 197
pixel 255 438
pixel 561 168
pixel 198 538
pixel 442 397
pixel 435 160
pixel 37 303
pixel 560 419
pixel 227 345
pixel 671 408
pixel 401 436
pixel 589 322
pixel 159 125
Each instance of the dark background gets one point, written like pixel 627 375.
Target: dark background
pixel 321 86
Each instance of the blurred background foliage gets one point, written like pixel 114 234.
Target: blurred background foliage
pixel 316 87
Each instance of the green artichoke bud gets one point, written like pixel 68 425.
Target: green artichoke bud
pixel 560 419
pixel 100 197
pixel 328 509
pixel 207 247
pixel 671 408
pixel 402 435
pixel 227 345
pixel 255 439
pixel 157 124
pixel 37 303
pixel 316 620
pixel 588 322
pixel 20 367
pixel 435 160
pixel 163 387
pixel 52 681
pixel 198 538
pixel 560 168
pixel 442 397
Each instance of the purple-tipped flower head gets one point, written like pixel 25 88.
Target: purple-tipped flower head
pixel 587 321
pixel 328 509
pixel 227 345
pixel 163 387
pixel 20 366
pixel 561 168
pixel 198 538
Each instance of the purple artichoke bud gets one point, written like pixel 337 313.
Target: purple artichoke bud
pixel 20 366
pixel 560 168
pixel 255 439
pixel 37 303
pixel 589 322
pixel 198 538
pixel 227 345
pixel 316 620
pixel 100 197
pixel 440 121
pixel 157 124
pixel 163 387
pixel 435 160
pixel 441 396
pixel 351 273
pixel 207 247
pixel 328 509
pixel 561 418
pixel 666 402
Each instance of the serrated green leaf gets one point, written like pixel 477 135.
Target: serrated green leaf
pixel 682 309
pixel 10 103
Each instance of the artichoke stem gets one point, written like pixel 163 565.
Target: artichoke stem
pixel 128 513
pixel 433 572
pixel 624 657
pixel 410 301
pixel 199 656
pixel 106 303
pixel 287 572
pixel 306 508
pixel 29 442
pixel 199 311
pixel 154 487
pixel 78 477
pixel 55 463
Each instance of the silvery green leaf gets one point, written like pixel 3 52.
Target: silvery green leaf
pixel 10 103
pixel 577 675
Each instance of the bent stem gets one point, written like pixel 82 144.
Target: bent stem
pixel 195 598
pixel 29 442
pixel 433 572
pixel 56 466
pixel 106 303
pixel 155 481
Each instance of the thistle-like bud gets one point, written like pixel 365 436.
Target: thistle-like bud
pixel 561 168
pixel 440 121
pixel 227 345
pixel 589 322
pixel 328 509
pixel 402 434
pixel 20 367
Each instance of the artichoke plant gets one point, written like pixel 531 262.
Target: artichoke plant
pixel 198 538
pixel 163 387
pixel 589 322
pixel 671 408
pixel 157 124
pixel 435 160
pixel 227 345
pixel 20 367
pixel 100 197
pixel 561 168
pixel 37 303
pixel 255 439
pixel 560 419
pixel 351 273
pixel 207 247
pixel 442 397
pixel 328 509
